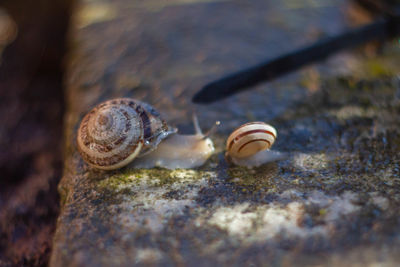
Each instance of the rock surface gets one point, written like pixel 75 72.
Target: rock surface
pixel 334 201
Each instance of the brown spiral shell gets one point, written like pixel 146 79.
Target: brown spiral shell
pixel 250 138
pixel 114 132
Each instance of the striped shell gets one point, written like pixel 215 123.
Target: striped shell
pixel 114 132
pixel 250 138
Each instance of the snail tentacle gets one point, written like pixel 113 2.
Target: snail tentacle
pixel 196 124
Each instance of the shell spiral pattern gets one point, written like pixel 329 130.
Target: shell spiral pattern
pixel 250 138
pixel 114 132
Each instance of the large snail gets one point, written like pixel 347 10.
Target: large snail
pixel 119 131
pixel 249 145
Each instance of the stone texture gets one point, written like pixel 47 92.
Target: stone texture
pixel 334 201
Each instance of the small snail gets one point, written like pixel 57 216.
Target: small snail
pixel 249 144
pixel 116 132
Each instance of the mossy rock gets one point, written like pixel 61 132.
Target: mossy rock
pixel 333 201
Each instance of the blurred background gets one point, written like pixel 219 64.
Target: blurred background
pixel 33 38
pixel 32 47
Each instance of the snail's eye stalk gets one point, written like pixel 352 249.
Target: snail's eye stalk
pixel 196 124
pixel 212 130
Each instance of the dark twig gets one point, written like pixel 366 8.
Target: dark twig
pixel 242 80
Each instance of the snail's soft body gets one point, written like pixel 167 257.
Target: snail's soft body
pixel 259 158
pixel 178 151
pixel 249 144
pixel 119 131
